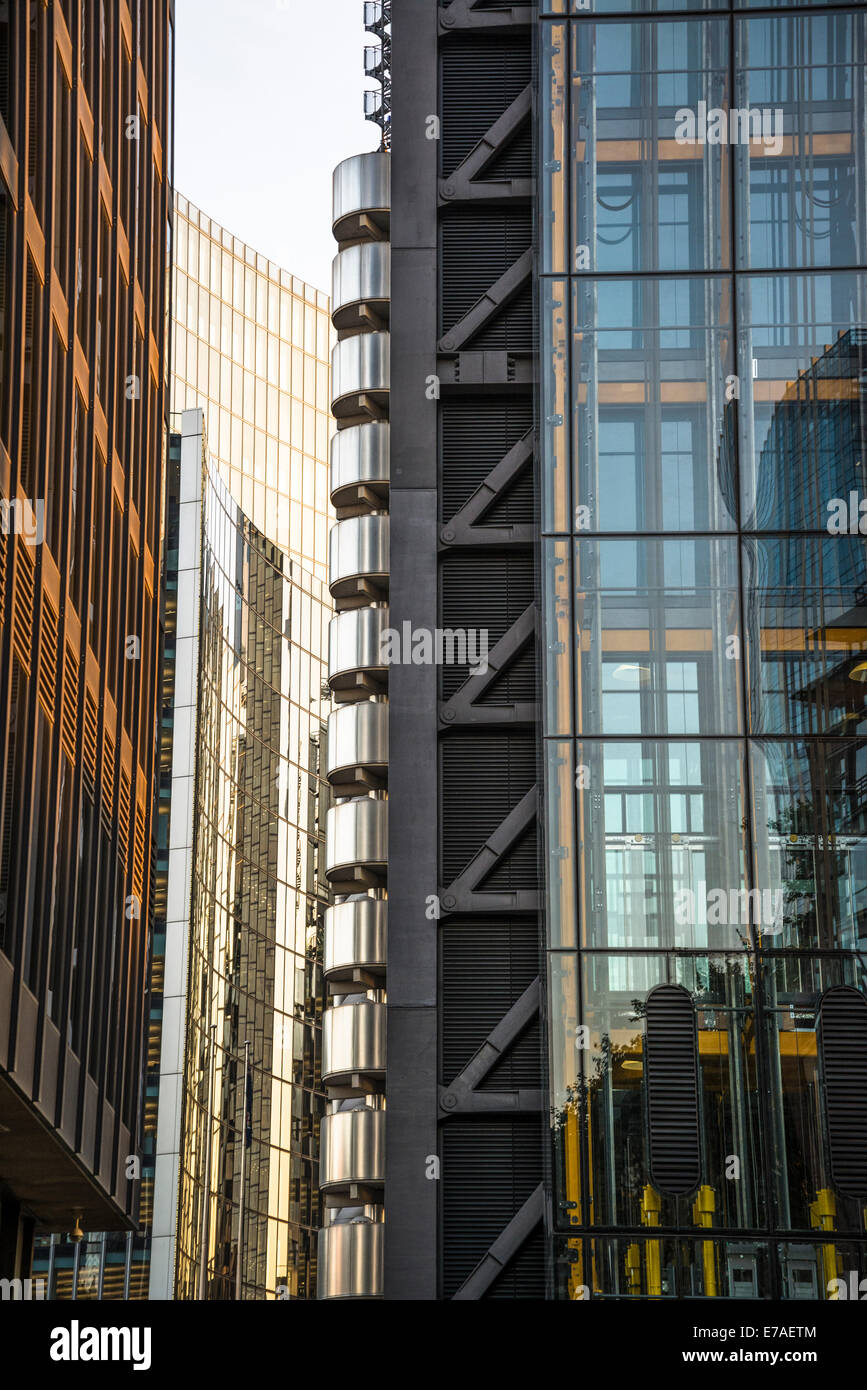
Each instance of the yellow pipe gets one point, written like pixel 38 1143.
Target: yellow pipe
pixel 651 1205
pixel 703 1209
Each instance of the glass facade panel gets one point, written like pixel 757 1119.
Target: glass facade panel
pixel 801 376
pixel 806 634
pixel 662 844
pixel 652 364
pixel 257 901
pixel 714 346
pixel 657 634
pixel 645 197
pixel 800 179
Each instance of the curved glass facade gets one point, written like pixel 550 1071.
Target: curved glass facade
pixel 257 897
pixel 251 346
pixel 704 423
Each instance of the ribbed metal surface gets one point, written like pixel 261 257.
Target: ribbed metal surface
pixel 671 1080
pixel 353 1040
pixel 492 1166
pixel 361 186
pixel 352 1148
pixel 359 466
pixel 360 275
pixel 476 433
pixel 355 652
pixel 502 955
pixel 357 743
pixel 356 840
pixel 355 937
pixel 843 1052
pixel 476 249
pixel 480 77
pixel 484 776
pixel 359 367
pixel 358 559
pixel 489 592
pixel 350 1260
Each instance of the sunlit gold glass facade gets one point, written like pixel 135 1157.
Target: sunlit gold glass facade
pixel 252 348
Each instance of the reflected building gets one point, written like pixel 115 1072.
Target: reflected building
pixel 251 348
pixel 699 1126
pixel 245 898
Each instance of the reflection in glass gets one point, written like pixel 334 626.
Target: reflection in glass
pixel 555 408
pixel 644 200
pixel 554 60
pixel 802 366
pixel 806 634
pixel 656 625
pixel 810 841
pixel 661 829
pixel 653 432
pixel 615 988
pixel 804 1193
pixel 801 194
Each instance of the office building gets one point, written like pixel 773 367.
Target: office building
pixel 251 348
pixel 626 1016
pixel 85 168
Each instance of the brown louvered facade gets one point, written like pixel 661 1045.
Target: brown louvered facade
pixel 85 168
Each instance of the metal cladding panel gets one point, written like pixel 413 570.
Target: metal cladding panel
pixel 671 1075
pixel 843 1055
pixel 471 242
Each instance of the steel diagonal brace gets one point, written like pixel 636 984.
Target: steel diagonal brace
pixel 504 1248
pixel 463 14
pixel 463 707
pixel 465 183
pixel 461 895
pixel 495 299
pixel 462 1096
pixel 464 529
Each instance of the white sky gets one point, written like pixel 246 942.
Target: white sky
pixel 268 98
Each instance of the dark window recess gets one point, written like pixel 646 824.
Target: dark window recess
pixel 843 1060
pixel 671 1075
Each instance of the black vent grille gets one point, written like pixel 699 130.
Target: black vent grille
pixel 492 1167
pixel 671 1075
pixel 480 78
pixel 489 592
pixel 486 965
pixel 476 434
pixel 843 1051
pixel 476 249
pixel 483 777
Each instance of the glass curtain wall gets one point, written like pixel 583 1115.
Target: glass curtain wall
pixel 703 302
pixel 257 900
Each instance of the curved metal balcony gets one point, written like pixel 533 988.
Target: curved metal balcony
pixel 358 561
pixel 350 1260
pixel 355 940
pixel 361 197
pixel 356 844
pixel 357 758
pixel 356 667
pixel 361 287
pixel 353 1044
pixel 359 468
pixel 352 1150
pixel 360 370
